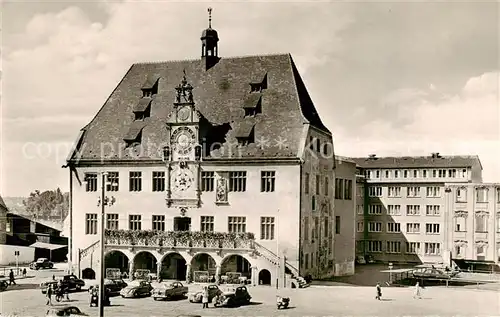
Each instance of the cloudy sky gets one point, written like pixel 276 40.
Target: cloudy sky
pixel 387 78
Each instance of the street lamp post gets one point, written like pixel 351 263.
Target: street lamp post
pixel 103 202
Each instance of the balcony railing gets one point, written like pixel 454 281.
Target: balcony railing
pixel 180 239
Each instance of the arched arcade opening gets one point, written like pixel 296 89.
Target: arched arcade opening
pixel 173 267
pixel 116 260
pixel 264 277
pixel 235 269
pixel 203 268
pixel 144 261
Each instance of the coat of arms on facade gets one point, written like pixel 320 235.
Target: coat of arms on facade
pixel 221 192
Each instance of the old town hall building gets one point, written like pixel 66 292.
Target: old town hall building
pixel 216 169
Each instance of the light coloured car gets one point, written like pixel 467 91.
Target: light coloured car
pixel 213 290
pixel 137 288
pixel 168 291
pixel 64 311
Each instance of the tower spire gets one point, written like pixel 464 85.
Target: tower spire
pixel 210 17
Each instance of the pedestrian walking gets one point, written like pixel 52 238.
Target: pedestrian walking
pixel 49 295
pixel 24 272
pixel 379 291
pixel 204 298
pixel 11 278
pixel 417 291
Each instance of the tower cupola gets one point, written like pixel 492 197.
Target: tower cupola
pixel 209 40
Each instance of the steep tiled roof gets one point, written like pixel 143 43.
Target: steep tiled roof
pixel 142 104
pixel 417 161
pixel 219 95
pixel 2 204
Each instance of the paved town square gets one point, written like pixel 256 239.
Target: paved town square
pixel 25 299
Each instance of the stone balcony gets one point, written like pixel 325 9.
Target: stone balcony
pixel 179 239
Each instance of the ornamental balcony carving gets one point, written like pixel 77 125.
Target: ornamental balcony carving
pixel 461 213
pixel 179 239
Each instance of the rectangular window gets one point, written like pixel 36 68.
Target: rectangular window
pixel 267 228
pixel 405 173
pixel 91 179
pixel 432 210
pixel 158 181
pixel 374 226
pixel 237 224
pixel 339 188
pixel 113 181
pixel 498 194
pixel 460 224
pixel 359 209
pixel 374 246
pixel 158 222
pixel 317 184
pixel 237 181
pixel 207 181
pixel 326 189
pixel 307 261
pixel 360 246
pixel 413 210
pixel 413 191
pixel 434 173
pixel 461 195
pixel 413 247
pixel 412 228
pixel 112 221
pixel 326 227
pixel 481 195
pixel 316 227
pixel 432 248
pixel 91 224
pixel 306 228
pixel 348 189
pixel 267 181
pixel 374 209
pixel 135 181
pixel 432 228
pixel 368 174
pixel 415 173
pixel 424 173
pixel 375 191
pixel 377 174
pixel 434 191
pixel 394 191
pixel 134 222
pixel 306 183
pixel 360 226
pixel 459 251
pixel 387 174
pixel 393 247
pixel 393 227
pixel 207 223
pixel 396 173
pixel 394 210
pixel 337 225
pixel 481 223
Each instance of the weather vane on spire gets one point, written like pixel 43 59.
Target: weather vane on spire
pixel 209 17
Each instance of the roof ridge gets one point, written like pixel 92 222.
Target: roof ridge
pixel 197 59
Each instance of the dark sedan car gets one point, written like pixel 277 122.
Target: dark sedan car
pixel 112 286
pixel 239 296
pixel 72 282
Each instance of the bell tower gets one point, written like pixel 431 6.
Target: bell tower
pixel 209 46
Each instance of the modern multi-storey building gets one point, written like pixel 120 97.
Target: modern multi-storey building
pixel 473 223
pixel 402 214
pixel 215 167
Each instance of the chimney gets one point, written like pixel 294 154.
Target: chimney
pixel 372 156
pixel 435 155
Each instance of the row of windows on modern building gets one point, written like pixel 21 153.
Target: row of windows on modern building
pixel 416 173
pixel 395 210
pixel 234 224
pixel 481 196
pixel 376 246
pixel 237 181
pixel 459 225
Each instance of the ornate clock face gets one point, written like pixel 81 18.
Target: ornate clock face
pixel 183 180
pixel 184 139
pixel 183 113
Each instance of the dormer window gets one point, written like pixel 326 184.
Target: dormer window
pixel 259 83
pixel 253 105
pixel 134 134
pixel 245 133
pixel 150 87
pixel 143 109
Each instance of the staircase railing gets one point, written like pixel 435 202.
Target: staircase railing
pixel 273 258
pixel 84 252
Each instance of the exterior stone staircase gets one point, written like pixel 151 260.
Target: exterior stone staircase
pixel 275 260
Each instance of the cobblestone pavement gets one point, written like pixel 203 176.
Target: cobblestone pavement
pixel 27 300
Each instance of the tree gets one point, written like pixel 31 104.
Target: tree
pixel 50 204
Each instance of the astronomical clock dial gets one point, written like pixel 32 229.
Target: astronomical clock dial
pixel 184 139
pixel 183 113
pixel 183 180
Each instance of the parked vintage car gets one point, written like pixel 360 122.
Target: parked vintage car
pixel 239 296
pixel 213 290
pixel 113 287
pixel 64 311
pixel 45 285
pixel 41 263
pixel 168 291
pixel 433 273
pixel 137 288
pixel 72 282
pixel 3 285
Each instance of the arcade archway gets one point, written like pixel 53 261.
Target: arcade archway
pixel 145 261
pixel 203 268
pixel 235 269
pixel 116 260
pixel 173 267
pixel 264 277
